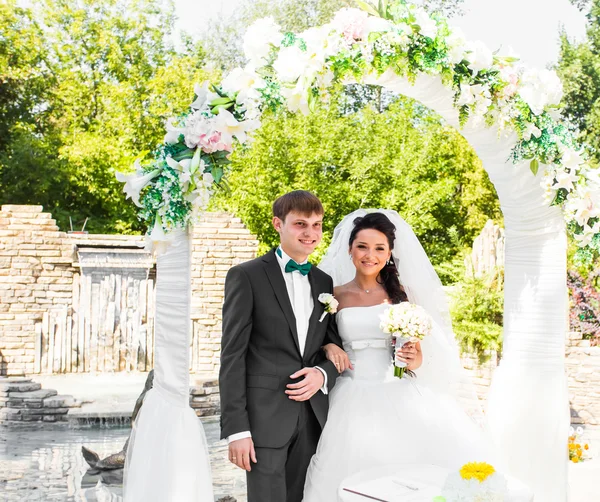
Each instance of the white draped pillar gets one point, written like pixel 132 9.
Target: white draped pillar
pixel 528 408
pixel 167 458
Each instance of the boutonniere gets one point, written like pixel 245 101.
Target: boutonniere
pixel 331 304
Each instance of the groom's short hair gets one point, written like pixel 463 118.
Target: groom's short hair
pixel 300 201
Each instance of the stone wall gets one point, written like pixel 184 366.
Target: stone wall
pixel 220 241
pixel 40 275
pixel 583 372
pixel 36 275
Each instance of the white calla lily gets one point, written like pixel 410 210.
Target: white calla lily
pixel 173 133
pixel 135 182
pixel 203 96
pixel 531 130
pixel 571 159
pixel 228 126
pixel 183 167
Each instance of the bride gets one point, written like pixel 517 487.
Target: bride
pixel 376 419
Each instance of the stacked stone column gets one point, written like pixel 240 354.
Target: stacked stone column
pixel 35 276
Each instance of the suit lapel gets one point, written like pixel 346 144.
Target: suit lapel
pixel 312 323
pixel 275 277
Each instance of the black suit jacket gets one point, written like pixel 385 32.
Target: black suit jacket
pixel 260 350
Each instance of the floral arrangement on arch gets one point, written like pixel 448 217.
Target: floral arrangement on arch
pixel 295 71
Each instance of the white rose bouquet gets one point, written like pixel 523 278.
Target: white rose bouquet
pixel 406 322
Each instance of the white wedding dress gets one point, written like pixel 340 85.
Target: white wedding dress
pixel 376 419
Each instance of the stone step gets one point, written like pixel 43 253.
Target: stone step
pixel 37 394
pixel 14 379
pixel 19 387
pixel 61 402
pixel 44 411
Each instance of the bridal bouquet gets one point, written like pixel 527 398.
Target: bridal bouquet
pixel 406 322
pixel 475 482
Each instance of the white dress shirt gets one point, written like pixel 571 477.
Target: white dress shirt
pixel 300 294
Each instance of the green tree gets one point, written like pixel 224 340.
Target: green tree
pixel 404 159
pixel 114 78
pixel 579 69
pixel 477 308
pixel 26 128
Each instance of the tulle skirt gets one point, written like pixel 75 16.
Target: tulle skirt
pixel 375 423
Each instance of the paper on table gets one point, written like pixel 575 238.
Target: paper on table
pixel 395 489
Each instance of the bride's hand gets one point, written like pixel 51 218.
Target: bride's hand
pixel 338 357
pixel 411 354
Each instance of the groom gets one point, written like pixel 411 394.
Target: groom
pixel 274 377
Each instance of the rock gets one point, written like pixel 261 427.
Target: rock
pixel 60 402
pixel 10 414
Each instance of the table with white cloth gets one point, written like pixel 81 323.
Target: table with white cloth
pixel 410 483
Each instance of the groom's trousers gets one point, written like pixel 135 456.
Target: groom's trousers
pixel 279 474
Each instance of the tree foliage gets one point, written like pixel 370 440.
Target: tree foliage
pixel 403 159
pixel 104 77
pixel 579 69
pixel 477 310
pixel 584 297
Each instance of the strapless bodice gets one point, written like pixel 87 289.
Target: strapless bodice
pixel 367 345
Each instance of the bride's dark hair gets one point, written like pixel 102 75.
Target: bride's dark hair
pixel 388 276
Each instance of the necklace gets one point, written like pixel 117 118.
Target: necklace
pixel 362 289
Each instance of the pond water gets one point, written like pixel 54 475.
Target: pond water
pixel 46 464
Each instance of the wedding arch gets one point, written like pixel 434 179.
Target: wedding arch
pixel 510 116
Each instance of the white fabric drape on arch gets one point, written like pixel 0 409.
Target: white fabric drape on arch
pixel 167 459
pixel 528 410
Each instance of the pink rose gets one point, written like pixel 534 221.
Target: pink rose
pixel 212 142
pixel 351 23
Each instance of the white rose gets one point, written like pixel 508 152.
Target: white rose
pixel 325 297
pixel 290 63
pixel 540 89
pixel 427 26
pixel 259 38
pixel 375 24
pixel 456 42
pixel 479 56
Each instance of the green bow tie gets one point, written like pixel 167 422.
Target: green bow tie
pixel 291 265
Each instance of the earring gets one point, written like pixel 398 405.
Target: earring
pixel 387 262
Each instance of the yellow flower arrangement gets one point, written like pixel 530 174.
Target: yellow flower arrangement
pixel 576 449
pixel 476 470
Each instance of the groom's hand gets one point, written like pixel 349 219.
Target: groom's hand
pixel 307 387
pixel 241 452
